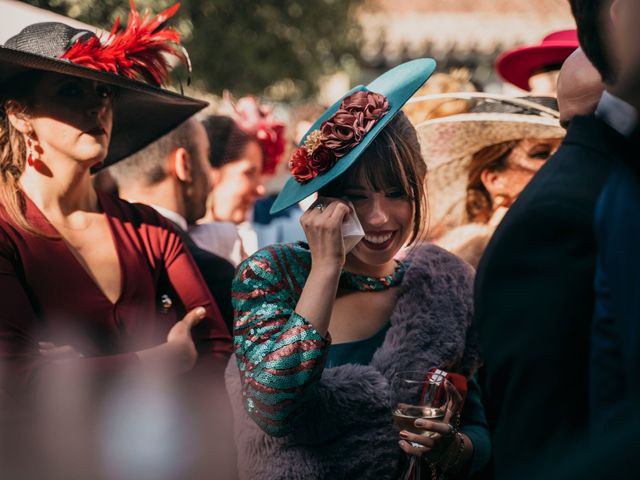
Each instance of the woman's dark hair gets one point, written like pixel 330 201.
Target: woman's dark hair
pixel 392 160
pixel 589 20
pixel 479 205
pixel 226 139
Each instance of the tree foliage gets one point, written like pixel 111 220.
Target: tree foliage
pixel 276 47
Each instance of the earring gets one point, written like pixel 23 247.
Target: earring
pixel 33 149
pixel 502 200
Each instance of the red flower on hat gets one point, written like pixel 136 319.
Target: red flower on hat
pixel 322 159
pixel 339 134
pixel 300 166
pixel 372 105
pixel 357 115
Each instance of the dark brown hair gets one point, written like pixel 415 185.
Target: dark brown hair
pixel 226 139
pixel 589 20
pixel 392 160
pixel 479 205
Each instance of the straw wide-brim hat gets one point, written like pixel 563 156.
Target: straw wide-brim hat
pixel 449 143
pixel 142 112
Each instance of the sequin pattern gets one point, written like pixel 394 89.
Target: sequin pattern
pixel 280 354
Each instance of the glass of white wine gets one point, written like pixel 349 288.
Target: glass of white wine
pixel 418 394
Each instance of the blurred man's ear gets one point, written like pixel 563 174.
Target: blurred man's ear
pixel 214 176
pixel 180 165
pixel 614 12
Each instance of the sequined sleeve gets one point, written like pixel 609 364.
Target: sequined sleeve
pixel 280 354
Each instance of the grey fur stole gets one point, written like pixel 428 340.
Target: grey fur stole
pixel 346 431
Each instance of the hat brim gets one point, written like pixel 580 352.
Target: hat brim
pixel 141 113
pixel 519 65
pixel 449 143
pixel 462 135
pixel 397 85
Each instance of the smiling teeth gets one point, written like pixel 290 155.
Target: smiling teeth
pixel 378 238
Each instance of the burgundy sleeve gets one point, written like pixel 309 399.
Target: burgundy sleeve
pixel 211 335
pixel 19 354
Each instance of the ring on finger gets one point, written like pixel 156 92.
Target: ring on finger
pixel 320 206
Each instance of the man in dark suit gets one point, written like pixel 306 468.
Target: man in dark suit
pixel 615 356
pixel 534 292
pixel 171 176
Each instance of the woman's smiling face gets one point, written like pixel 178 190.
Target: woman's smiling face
pixel 387 219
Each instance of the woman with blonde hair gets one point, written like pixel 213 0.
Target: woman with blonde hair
pixel 86 277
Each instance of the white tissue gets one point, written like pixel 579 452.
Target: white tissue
pixel 352 231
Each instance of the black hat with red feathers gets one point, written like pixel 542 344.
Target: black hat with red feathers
pixel 134 60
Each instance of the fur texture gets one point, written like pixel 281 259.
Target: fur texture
pixel 346 431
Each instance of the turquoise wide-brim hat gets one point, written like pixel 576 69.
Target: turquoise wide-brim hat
pixel 397 85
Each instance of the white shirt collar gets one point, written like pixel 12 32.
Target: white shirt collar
pixel 617 113
pixel 173 216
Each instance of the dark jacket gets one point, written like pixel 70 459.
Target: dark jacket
pixel 534 300
pixel 615 357
pixel 217 273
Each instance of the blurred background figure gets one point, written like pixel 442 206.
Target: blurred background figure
pixel 479 162
pixel 535 68
pixel 260 122
pixel 172 176
pixel 284 226
pixel 236 161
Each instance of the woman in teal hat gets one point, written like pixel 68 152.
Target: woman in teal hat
pixel 320 331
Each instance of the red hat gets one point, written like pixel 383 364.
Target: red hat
pixel 518 65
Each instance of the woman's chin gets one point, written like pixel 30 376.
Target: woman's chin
pixel 92 158
pixel 373 257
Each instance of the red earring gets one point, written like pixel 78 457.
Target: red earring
pixel 31 157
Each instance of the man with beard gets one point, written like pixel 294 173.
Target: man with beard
pixel 171 176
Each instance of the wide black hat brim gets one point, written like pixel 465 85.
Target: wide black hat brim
pixel 141 114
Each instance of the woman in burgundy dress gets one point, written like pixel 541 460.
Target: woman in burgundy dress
pixel 83 273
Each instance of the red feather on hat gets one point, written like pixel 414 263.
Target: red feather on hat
pixel 137 52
